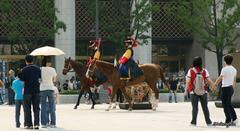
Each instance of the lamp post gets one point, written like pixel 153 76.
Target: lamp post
pixel 97 20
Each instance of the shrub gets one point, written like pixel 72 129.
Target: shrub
pixel 69 92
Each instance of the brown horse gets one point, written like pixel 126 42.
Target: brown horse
pixel 80 70
pixel 152 72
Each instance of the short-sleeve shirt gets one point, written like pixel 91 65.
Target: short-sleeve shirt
pixel 17 86
pixel 31 74
pixel 173 84
pixel 228 73
pixel 48 74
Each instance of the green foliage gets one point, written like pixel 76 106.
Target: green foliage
pixel 5 6
pixel 30 17
pixel 123 21
pixel 69 92
pixel 214 22
pixel 164 90
pixel 141 19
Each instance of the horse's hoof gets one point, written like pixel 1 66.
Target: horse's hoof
pixel 92 107
pixel 75 107
pixel 154 109
pixel 107 110
pixel 129 109
pixel 114 107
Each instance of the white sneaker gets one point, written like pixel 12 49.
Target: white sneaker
pixel 210 125
pixel 235 121
pixel 53 126
pixel 44 126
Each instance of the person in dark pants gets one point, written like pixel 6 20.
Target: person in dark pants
pixel 190 84
pixel 119 96
pixel 173 88
pixel 228 78
pixel 11 93
pixel 31 75
pixel 1 88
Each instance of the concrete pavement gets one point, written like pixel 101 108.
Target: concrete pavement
pixel 168 117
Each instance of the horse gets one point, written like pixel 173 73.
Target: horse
pixel 86 83
pixel 152 72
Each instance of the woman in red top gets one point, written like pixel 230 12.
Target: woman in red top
pixel 190 84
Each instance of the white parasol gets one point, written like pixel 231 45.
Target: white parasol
pixel 47 51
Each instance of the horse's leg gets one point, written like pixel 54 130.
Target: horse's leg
pixel 79 98
pixel 114 90
pixel 116 102
pixel 128 98
pixel 156 93
pixel 91 97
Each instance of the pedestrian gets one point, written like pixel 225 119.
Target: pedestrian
pixel 31 74
pixel 11 94
pixel 17 86
pixel 65 85
pixel 173 82
pixel 228 78
pixel 47 88
pixel 119 97
pixel 197 80
pixel 1 89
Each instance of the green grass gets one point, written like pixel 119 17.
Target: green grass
pixel 69 92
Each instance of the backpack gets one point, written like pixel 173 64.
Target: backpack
pixel 199 82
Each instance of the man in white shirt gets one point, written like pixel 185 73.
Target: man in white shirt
pixel 47 95
pixel 228 78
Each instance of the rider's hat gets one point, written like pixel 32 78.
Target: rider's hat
pixel 131 41
pixel 94 44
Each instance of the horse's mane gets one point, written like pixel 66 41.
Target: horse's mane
pixel 77 63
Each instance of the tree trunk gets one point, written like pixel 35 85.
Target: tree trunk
pixel 219 60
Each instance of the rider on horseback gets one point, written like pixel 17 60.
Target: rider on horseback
pixel 128 68
pixel 95 45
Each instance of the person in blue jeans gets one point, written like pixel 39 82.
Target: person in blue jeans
pixel 17 86
pixel 48 74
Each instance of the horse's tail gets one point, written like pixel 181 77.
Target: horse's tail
pixel 162 77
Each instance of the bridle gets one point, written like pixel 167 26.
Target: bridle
pixel 68 68
pixel 91 70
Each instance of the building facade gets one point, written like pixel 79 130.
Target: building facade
pixel 171 45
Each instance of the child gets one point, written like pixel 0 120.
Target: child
pixel 17 86
pixel 228 78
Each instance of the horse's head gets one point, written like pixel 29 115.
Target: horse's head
pixel 67 66
pixel 91 69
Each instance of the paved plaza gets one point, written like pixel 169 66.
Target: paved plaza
pixel 168 117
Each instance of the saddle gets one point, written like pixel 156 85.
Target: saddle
pixel 130 71
pixel 134 81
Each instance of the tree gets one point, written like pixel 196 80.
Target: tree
pixel 214 22
pixel 30 24
pixel 122 21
